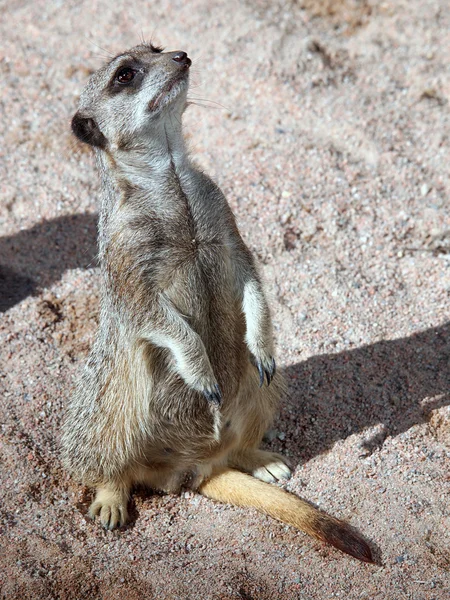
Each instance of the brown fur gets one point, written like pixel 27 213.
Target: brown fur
pixel 170 386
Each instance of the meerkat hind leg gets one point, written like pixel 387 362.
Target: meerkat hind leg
pixel 111 504
pixel 267 466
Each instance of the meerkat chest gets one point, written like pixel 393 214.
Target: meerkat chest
pixel 176 232
pixel 196 265
pixel 207 212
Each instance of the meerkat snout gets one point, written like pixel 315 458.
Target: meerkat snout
pixel 183 58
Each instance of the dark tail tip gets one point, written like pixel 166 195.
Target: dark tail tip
pixel 342 537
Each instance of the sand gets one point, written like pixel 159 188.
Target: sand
pixel 327 126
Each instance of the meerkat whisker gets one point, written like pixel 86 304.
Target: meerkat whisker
pixel 107 54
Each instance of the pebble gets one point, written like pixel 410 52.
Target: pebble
pixel 424 189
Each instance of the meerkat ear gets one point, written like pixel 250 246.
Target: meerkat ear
pixel 86 130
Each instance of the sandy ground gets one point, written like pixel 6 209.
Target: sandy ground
pixel 327 125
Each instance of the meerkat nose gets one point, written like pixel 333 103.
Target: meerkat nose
pixel 182 57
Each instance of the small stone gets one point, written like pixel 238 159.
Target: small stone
pixel 424 189
pixel 270 435
pixel 285 218
pixel 430 93
pixel 281 436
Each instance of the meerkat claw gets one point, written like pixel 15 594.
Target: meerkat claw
pixel 214 397
pixel 269 371
pixel 261 373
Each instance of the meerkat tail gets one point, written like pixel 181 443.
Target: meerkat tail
pixel 233 487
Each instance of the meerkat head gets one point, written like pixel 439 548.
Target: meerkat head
pixel 126 99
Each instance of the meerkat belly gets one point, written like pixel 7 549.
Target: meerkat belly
pixel 183 445
pixel 184 434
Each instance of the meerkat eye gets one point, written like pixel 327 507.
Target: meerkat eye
pixel 125 75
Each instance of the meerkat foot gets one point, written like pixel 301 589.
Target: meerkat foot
pixel 273 471
pixel 267 466
pixel 111 505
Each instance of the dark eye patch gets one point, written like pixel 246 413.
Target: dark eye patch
pixel 127 77
pixel 156 49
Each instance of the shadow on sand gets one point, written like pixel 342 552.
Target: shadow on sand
pixel 388 386
pixel 38 257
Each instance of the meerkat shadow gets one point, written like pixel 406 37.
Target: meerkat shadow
pixel 37 257
pixel 382 390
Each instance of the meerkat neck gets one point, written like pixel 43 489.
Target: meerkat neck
pixel 148 162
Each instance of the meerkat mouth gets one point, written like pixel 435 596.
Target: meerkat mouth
pixel 170 91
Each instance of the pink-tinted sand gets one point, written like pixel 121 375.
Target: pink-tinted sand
pixel 328 130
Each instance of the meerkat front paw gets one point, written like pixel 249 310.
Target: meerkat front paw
pixel 111 505
pixel 209 387
pixel 213 396
pixel 265 363
pixel 200 377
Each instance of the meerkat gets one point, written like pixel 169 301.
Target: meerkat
pixel 181 378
